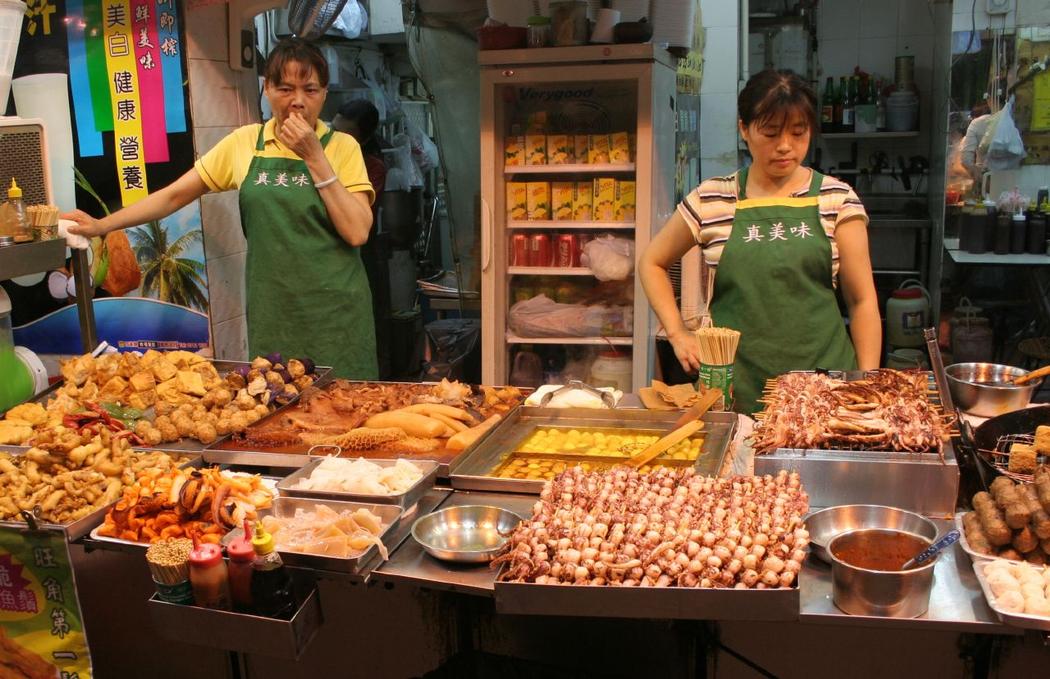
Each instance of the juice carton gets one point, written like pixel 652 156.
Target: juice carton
pixel 517 201
pixel 535 149
pixel 539 201
pixel 599 149
pixel 514 151
pixel 562 199
pixel 625 201
pixel 560 149
pixel 619 148
pixel 604 199
pixel 581 201
pixel 581 144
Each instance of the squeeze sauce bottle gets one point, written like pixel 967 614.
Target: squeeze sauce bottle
pixel 272 593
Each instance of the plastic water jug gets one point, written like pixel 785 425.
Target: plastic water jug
pixel 21 372
pixel 907 313
pixel 611 369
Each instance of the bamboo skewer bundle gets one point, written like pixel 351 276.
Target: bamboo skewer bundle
pixel 44 221
pixel 717 345
pixel 169 561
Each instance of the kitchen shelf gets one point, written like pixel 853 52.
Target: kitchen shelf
pixel 568 224
pixel 869 135
pixel 549 271
pixel 23 259
pixel 572 168
pixel 618 341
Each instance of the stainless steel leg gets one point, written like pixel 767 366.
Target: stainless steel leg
pixel 85 294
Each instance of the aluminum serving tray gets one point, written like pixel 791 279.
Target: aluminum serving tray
pixel 666 603
pixel 918 482
pixel 409 498
pixel 88 524
pixel 470 471
pixel 1025 620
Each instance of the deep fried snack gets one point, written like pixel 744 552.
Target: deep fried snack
pixel 992 521
pixel 1025 540
pixel 1022 458
pixel 1040 519
pixel 1041 480
pixel 17 661
pixel 1004 490
pixel 975 534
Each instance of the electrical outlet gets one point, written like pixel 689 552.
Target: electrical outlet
pixel 998 6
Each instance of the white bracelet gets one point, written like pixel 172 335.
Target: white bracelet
pixel 330 180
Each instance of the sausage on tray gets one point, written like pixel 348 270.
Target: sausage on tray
pixel 1004 490
pixel 1025 540
pixel 1040 519
pixel 995 528
pixel 975 534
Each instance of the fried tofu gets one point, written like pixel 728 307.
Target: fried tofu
pixel 30 413
pixel 143 381
pixel 15 432
pixel 113 389
pixel 1042 440
pixel 1022 458
pixel 143 399
pixel 163 369
pixel 190 382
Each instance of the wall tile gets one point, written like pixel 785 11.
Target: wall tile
pixel 878 18
pixel 1033 12
pixel 876 55
pixel 222 225
pixel 213 94
pixel 230 339
pixel 226 287
pixel 718 132
pixel 838 18
pixel 719 13
pixel 206 32
pixel 915 18
pixel 720 59
pixel 838 56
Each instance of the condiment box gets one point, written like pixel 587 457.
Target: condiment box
pixel 240 632
pixel 405 500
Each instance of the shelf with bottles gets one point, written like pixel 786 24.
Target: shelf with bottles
pixel 552 224
pixel 549 271
pixel 863 106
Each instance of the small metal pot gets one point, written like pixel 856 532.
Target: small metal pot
pixel 824 524
pixel 983 389
pixel 888 594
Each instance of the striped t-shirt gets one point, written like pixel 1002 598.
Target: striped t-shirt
pixel 709 210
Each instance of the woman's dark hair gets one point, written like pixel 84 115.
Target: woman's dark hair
pixel 770 93
pixel 299 51
pixel 365 115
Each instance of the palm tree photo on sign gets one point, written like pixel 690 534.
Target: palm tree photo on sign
pixel 167 274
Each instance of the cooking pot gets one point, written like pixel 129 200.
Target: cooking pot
pixel 986 436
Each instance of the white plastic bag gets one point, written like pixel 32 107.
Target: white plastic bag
pixel 352 20
pixel 541 316
pixel 609 258
pixel 1005 146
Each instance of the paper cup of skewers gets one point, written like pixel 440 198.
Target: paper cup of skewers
pixel 717 354
pixel 43 219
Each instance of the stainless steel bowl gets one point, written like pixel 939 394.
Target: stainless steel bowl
pixel 983 389
pixel 825 524
pixel 887 594
pixel 469 534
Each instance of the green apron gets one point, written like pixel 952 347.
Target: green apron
pixel 308 295
pixel 774 284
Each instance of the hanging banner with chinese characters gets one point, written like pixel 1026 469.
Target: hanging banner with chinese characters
pixel 127 103
pixel 151 81
pixel 41 630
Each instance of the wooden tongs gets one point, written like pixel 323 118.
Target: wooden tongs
pixel 688 424
pixel 1034 375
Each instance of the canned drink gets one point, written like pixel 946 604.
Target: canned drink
pixel 519 250
pixel 540 251
pixel 581 240
pixel 566 254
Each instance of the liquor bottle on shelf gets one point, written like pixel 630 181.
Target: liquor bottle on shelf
pixel 849 103
pixel 840 95
pixel 880 106
pixel 827 108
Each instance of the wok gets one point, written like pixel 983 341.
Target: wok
pixel 987 434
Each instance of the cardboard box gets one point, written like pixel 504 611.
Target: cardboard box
pixel 562 199
pixel 625 201
pixel 535 149
pixel 560 149
pixel 581 201
pixel 619 148
pixel 582 144
pixel 598 151
pixel 517 201
pixel 514 151
pixel 539 201
pixel 604 199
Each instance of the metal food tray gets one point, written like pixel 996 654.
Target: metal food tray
pixel 975 556
pixel 224 450
pixel 918 482
pixel 665 603
pixel 1025 620
pixel 470 471
pixel 361 564
pixel 405 500
pixel 88 524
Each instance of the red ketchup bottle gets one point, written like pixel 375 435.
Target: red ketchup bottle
pixel 241 554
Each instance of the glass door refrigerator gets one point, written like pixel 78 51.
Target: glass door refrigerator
pixel 577 173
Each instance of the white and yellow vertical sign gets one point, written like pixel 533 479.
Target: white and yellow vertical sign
pixel 124 94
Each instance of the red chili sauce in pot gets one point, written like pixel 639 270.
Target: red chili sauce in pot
pixel 878 550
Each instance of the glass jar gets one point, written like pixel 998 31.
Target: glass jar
pixel 539 32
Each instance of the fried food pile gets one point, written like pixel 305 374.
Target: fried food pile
pixel 888 410
pixel 68 475
pixel 1012 520
pixel 203 503
pixel 188 397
